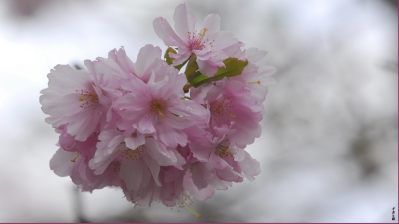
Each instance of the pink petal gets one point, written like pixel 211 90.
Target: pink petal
pixel 82 127
pixel 131 173
pixel 145 125
pixel 171 137
pixel 219 184
pixel 181 21
pixel 207 67
pixel 122 60
pixel 191 20
pixel 212 23
pixel 224 39
pixel 61 163
pixel 65 106
pixel 154 168
pixel 198 179
pixel 99 165
pixel 253 54
pixel 146 57
pixel 201 152
pixel 166 33
pixel 64 78
pixel 158 152
pixel 249 166
pixel 133 143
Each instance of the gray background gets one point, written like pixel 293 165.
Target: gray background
pixel 328 150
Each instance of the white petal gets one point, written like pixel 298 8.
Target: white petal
pixel 61 162
pixel 131 173
pixel 181 21
pixel 166 33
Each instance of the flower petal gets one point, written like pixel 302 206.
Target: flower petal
pixel 131 173
pixel 146 57
pixel 166 33
pixel 181 21
pixel 61 163
pixel 212 23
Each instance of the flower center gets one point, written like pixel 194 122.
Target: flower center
pixel 117 166
pixel 197 41
pixel 158 107
pixel 220 108
pixel 222 150
pixel 135 154
pixel 89 99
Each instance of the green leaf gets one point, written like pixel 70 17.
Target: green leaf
pixel 199 79
pixel 233 68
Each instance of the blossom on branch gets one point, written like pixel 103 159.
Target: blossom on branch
pixel 159 134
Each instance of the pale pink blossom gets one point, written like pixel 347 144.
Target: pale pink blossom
pixel 159 109
pixel 257 78
pixel 221 161
pixel 209 45
pixel 72 99
pixel 74 160
pixel 230 103
pixel 131 125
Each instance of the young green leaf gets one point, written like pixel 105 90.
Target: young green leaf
pixel 233 67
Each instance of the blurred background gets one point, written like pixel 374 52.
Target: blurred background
pixel 329 147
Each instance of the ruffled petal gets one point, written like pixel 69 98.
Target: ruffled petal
pixel 146 57
pixel 212 23
pixel 131 173
pixel 250 167
pixel 61 163
pixel 166 33
pixel 181 21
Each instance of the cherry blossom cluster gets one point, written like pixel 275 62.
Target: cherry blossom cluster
pixel 156 132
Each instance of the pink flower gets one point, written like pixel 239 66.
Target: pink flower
pixel 220 160
pixel 148 60
pixel 131 125
pixel 209 44
pixel 158 108
pixel 71 98
pixel 230 104
pixel 257 78
pixel 74 161
pixel 115 143
pixel 139 161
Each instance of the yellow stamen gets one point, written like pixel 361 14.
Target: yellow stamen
pixel 223 151
pixel 192 210
pixel 160 113
pixel 91 96
pixel 74 159
pixel 231 115
pixel 202 35
pixel 257 82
